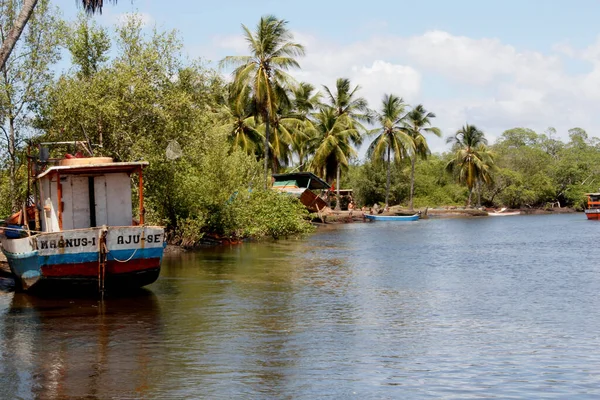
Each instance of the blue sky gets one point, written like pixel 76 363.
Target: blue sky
pixel 497 64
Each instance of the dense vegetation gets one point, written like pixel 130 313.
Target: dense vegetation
pixel 212 142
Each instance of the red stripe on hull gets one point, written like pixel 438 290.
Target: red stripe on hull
pixel 91 268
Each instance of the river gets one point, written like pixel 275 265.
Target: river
pixel 500 307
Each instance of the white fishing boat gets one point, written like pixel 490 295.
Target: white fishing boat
pixel 80 229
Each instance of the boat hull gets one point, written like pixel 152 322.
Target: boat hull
pixel 397 218
pixel 504 214
pixel 132 258
pixel 593 213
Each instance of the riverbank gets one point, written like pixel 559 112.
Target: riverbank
pixel 341 217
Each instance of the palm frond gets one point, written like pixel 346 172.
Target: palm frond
pixel 93 6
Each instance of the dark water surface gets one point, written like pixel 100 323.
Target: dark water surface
pixel 461 308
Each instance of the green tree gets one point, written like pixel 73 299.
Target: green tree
pixel 472 161
pixel 415 123
pixel 272 54
pixel 305 102
pixel 240 122
pixel 88 44
pixel 12 32
pixel 344 101
pixel 332 146
pixel 24 80
pixel 145 98
pixel 391 138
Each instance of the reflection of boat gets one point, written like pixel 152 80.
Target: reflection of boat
pixel 398 218
pixel 80 347
pixel 593 206
pixel 80 228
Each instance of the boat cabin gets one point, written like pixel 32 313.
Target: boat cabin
pixel 593 200
pixel 88 192
pixel 302 185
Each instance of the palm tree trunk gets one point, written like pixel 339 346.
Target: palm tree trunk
pixel 338 207
pixel 13 35
pixel 387 186
pixel 412 181
pixel 478 193
pixel 267 128
pixel 469 199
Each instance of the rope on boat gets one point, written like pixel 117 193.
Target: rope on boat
pixel 129 259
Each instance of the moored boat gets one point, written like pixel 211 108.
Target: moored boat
pixel 504 214
pixel 82 233
pixel 593 206
pixel 397 218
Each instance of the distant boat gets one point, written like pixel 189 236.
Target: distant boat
pixel 503 213
pixel 593 206
pixel 398 218
pixel 79 230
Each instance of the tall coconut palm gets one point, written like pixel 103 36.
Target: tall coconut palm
pixel 272 54
pixel 415 124
pixel 240 123
pixel 345 101
pixel 472 161
pixel 305 101
pixel 391 138
pixel 331 145
pixel 286 128
pixel 13 35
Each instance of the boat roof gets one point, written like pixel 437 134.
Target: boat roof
pixel 304 180
pixel 592 194
pixel 112 167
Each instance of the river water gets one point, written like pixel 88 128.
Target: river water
pixel 441 308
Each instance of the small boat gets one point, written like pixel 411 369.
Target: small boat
pixel 79 230
pixel 503 213
pixel 593 206
pixel 370 217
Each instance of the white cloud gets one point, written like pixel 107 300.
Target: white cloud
pixel 383 77
pixel 235 43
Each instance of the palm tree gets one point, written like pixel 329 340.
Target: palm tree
pixel 13 35
pixel 272 54
pixel 472 161
pixel 240 123
pixel 391 137
pixel 332 146
pixel 305 101
pixel 415 123
pixel 345 102
pixel 285 129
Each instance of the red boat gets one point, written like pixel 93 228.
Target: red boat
pixel 593 206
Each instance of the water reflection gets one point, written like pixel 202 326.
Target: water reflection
pixel 441 309
pixel 77 347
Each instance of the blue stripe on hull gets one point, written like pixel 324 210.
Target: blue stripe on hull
pixel 119 255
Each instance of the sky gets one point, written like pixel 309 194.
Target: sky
pixel 495 64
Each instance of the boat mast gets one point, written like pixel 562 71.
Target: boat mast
pixel 141 195
pixel 60 203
